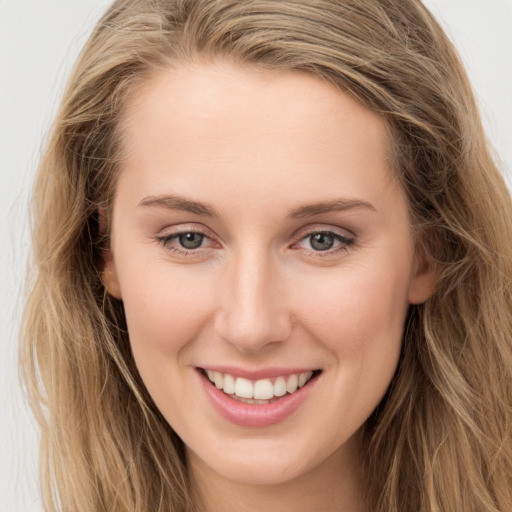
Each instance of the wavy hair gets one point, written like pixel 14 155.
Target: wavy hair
pixel 441 440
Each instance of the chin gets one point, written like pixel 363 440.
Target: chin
pixel 253 463
pixel 265 462
pixel 261 472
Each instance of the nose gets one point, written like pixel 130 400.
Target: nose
pixel 253 311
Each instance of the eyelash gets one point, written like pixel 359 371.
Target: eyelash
pixel 344 242
pixel 166 239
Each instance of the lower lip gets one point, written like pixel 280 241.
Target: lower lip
pixel 255 415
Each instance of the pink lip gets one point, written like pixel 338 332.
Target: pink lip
pixel 255 415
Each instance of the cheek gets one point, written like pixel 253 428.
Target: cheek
pixel 359 319
pixel 165 315
pixel 359 310
pixel 164 312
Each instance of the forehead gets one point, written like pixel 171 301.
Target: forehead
pixel 199 95
pixel 252 128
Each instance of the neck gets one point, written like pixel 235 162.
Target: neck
pixel 335 485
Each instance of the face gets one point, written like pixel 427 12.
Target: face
pixel 263 254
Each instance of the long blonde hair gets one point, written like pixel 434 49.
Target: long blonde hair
pixel 441 440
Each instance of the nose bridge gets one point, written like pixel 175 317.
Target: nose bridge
pixel 252 312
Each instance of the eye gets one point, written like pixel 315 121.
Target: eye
pixel 186 242
pixel 322 241
pixel 325 242
pixel 191 240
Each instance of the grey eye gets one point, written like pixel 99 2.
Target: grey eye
pixel 191 240
pixel 322 241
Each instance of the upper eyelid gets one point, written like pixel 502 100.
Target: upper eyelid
pixel 341 232
pixel 186 228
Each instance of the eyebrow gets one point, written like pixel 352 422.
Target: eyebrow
pixel 171 202
pixel 334 205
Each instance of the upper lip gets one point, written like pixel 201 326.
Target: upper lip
pixel 257 374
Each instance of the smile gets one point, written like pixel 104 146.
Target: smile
pixel 261 391
pixel 253 402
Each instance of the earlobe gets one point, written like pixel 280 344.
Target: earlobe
pixel 423 283
pixel 109 274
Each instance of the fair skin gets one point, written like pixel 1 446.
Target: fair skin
pixel 258 232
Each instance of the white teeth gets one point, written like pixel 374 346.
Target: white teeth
pixel 243 388
pixel 280 386
pixel 261 390
pixel 219 380
pixel 292 383
pixel 304 377
pixel 229 384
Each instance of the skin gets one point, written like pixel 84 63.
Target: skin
pixel 256 147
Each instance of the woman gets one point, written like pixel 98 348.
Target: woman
pixel 274 267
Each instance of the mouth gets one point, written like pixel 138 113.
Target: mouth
pixel 262 391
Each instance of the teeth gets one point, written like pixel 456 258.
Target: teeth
pixel 219 380
pixel 280 386
pixel 229 384
pixel 243 388
pixel 304 377
pixel 261 390
pixel 292 383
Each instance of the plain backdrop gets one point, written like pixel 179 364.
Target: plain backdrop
pixel 39 41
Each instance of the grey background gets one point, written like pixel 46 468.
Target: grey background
pixel 39 41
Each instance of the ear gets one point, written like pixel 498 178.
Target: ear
pixel 108 265
pixel 424 279
pixel 109 274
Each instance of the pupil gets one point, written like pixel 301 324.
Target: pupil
pixel 191 240
pixel 322 241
